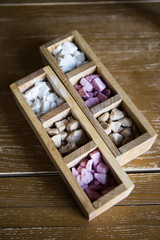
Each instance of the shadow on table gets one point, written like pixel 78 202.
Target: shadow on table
pixel 147 11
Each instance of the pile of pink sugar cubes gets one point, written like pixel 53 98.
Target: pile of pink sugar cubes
pixel 94 176
pixel 93 90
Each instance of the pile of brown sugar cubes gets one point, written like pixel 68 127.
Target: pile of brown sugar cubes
pixel 67 135
pixel 118 126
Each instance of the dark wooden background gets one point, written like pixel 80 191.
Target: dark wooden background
pixel 34 202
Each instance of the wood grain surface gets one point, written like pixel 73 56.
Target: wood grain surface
pixel 34 202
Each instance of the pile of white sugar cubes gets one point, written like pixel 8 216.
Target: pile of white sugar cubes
pixel 41 98
pixel 68 56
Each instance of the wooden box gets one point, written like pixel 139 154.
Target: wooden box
pixel 133 148
pixel 63 164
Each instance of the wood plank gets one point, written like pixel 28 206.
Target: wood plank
pixel 65 2
pixel 147 215
pixel 51 191
pixel 131 54
pixel 138 232
pixel 61 2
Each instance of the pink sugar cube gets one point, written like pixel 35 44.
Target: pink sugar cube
pixel 91 102
pixel 102 97
pixel 96 156
pixel 74 171
pixel 79 180
pixel 83 162
pixel 101 177
pixel 90 94
pixel 79 169
pixel 107 92
pixel 91 77
pixel 86 177
pixel 83 93
pixel 83 81
pixel 77 86
pixel 98 84
pixel 89 165
pixel 87 86
pixel 101 168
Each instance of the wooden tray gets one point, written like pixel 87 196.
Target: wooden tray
pixel 147 136
pixel 63 164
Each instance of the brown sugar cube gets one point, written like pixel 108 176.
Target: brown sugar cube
pixel 104 117
pixel 68 148
pixel 116 114
pixel 127 132
pixel 63 135
pixel 72 126
pixel 61 125
pixel 116 138
pixel 115 126
pixel 126 140
pixel 126 122
pixel 78 137
pixel 57 140
pixel 52 131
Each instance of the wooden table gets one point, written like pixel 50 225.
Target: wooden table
pixel 34 201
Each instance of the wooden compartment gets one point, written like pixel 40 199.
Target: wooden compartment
pixel 135 147
pixel 47 49
pixel 63 113
pixel 91 210
pixel 129 151
pixel 105 200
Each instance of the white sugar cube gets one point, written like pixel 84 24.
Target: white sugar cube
pixel 51 97
pixel 45 106
pixel 43 90
pixel 67 63
pixel 69 47
pixel 79 58
pixel 53 105
pixel 59 101
pixel 32 93
pixel 36 105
